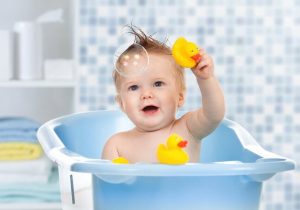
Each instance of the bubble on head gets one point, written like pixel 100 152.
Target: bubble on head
pixel 131 59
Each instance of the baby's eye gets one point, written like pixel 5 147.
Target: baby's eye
pixel 133 87
pixel 158 84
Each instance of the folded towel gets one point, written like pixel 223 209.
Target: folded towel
pixel 20 151
pixel 18 135
pixel 18 123
pixel 42 166
pixel 48 192
pixel 12 178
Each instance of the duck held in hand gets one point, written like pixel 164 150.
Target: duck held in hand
pixel 185 53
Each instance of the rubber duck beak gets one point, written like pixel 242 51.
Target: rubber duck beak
pixel 196 57
pixel 182 144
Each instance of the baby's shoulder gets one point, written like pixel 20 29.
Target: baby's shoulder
pixel 113 142
pixel 120 136
pixel 181 126
pixel 115 137
pixel 181 122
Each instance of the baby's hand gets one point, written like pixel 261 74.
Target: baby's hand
pixel 205 68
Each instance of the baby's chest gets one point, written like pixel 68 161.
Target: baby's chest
pixel 144 149
pixel 140 150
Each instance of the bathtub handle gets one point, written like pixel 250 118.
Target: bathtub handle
pixel 264 177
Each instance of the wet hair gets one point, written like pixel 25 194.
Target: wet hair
pixel 152 46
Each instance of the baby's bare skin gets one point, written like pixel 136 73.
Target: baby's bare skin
pixel 151 101
pixel 139 146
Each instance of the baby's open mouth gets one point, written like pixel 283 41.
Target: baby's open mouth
pixel 150 109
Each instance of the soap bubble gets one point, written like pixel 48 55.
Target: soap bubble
pixel 131 59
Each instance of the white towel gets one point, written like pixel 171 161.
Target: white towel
pixel 39 166
pixel 23 178
pixel 27 171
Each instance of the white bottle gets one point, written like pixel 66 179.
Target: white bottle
pixel 6 54
pixel 29 50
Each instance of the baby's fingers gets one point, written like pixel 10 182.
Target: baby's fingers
pixel 203 62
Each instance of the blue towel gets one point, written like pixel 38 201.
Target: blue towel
pixel 31 192
pixel 19 129
pixel 18 135
pixel 18 123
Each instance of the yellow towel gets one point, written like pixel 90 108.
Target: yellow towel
pixel 20 151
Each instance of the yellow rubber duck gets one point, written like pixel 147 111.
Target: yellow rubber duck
pixel 172 153
pixel 185 53
pixel 120 160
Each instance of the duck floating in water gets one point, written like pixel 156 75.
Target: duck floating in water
pixel 120 160
pixel 185 53
pixel 172 152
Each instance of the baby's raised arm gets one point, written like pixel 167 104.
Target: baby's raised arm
pixel 204 120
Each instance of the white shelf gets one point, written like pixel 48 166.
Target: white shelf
pixel 38 84
pixel 30 206
pixel 39 100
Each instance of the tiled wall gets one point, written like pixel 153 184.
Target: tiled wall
pixel 256 48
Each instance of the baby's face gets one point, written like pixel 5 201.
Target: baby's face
pixel 152 98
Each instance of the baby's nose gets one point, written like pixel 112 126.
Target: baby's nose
pixel 147 94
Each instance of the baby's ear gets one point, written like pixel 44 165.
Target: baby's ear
pixel 119 101
pixel 181 99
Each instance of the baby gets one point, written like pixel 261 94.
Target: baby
pixel 151 100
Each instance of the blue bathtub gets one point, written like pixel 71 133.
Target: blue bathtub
pixel 229 176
